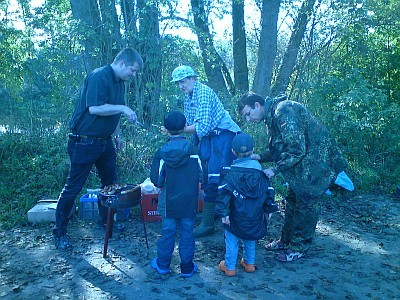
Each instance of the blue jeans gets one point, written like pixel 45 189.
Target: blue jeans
pixel 166 243
pixel 83 155
pixel 232 249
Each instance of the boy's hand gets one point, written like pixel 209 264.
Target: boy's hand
pixel 163 130
pixel 225 220
pixel 269 172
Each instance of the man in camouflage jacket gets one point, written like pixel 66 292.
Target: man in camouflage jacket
pixel 308 158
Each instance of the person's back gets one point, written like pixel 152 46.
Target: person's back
pixel 176 169
pixel 245 186
pixel 243 196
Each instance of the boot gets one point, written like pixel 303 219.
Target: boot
pixel 206 226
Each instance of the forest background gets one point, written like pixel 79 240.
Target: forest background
pixel 340 58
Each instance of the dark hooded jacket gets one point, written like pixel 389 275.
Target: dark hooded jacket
pixel 242 195
pixel 176 169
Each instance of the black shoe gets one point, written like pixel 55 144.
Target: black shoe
pixel 62 242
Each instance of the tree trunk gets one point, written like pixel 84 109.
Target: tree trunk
pixel 88 14
pixel 129 19
pixel 290 56
pixel 267 47
pixel 110 30
pixel 150 49
pixel 240 69
pixel 213 64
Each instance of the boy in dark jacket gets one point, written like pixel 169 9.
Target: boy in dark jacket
pixel 176 169
pixel 243 197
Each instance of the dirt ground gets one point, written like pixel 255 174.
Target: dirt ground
pixel 355 255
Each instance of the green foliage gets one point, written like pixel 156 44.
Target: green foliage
pixel 352 84
pixel 37 168
pixel 366 125
pixel 33 169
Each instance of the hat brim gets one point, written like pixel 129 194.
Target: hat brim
pixel 175 80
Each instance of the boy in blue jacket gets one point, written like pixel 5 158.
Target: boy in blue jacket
pixel 176 169
pixel 244 198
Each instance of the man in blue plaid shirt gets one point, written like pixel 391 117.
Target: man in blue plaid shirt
pixel 214 129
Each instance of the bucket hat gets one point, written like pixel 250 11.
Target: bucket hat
pixel 182 72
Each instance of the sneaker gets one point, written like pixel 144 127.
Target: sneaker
pixel 275 245
pixel 222 267
pixel 62 242
pixel 195 269
pixel 289 255
pixel 154 265
pixel 250 268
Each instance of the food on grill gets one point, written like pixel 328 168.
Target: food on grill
pixel 113 188
pixel 120 195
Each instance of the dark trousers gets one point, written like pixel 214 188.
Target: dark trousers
pixel 83 155
pixel 301 217
pixel 215 153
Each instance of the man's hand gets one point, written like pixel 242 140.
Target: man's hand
pixel 269 172
pixel 132 117
pixel 225 220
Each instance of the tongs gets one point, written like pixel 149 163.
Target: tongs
pixel 140 124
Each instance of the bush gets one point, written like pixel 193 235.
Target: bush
pixel 365 124
pixel 36 168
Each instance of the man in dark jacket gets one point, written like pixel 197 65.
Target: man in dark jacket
pixel 176 169
pixel 243 196
pixel 308 158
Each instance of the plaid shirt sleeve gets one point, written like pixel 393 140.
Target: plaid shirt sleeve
pixel 205 110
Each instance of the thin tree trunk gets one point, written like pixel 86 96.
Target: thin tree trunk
pixel 129 18
pixel 88 14
pixel 240 69
pixel 213 64
pixel 267 47
pixel 111 31
pixel 150 48
pixel 290 56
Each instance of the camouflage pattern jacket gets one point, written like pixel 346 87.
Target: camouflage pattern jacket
pixel 302 148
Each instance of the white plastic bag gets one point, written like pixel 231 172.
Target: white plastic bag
pixel 148 187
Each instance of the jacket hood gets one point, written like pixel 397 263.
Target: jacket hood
pixel 247 184
pixel 175 152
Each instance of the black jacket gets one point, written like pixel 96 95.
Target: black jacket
pixel 242 195
pixel 176 169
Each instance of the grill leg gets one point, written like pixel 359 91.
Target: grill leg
pixel 144 225
pixel 109 226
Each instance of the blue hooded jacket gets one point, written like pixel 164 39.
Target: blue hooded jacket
pixel 176 169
